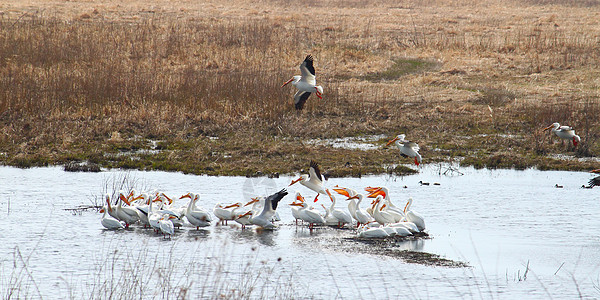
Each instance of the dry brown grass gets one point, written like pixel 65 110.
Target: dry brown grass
pixel 80 79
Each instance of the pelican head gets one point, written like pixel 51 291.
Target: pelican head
pixel 293 80
pixel 319 91
pixel 399 137
pixel 553 126
pixel 301 178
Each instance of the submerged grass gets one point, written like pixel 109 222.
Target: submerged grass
pixel 102 83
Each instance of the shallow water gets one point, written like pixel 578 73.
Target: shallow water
pixel 496 221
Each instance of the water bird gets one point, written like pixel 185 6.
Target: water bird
pixel 198 217
pixel 558 186
pixel 362 217
pixel 564 132
pixel 348 192
pixel 423 183
pixel 313 181
pixel 596 180
pixel 166 226
pixel 226 213
pixel 414 217
pixel 392 209
pixel 374 232
pixel 264 219
pixel 407 148
pixel 305 83
pixel 107 220
pixel 296 206
pixel 436 183
pixel 127 214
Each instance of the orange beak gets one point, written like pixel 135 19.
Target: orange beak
pixel 232 205
pixel 300 198
pixel 341 191
pixel 102 210
pixel 549 127
pixel 294 181
pixel 388 143
pixel 597 171
pixel 246 214
pixel 376 193
pixel 296 204
pixel 122 197
pixel 186 196
pixel 254 200
pixel 170 200
pixel 286 83
pixel 353 197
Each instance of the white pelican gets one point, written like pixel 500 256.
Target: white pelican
pixel 198 217
pixel 362 217
pixel 342 216
pixel 264 218
pixel 111 211
pixel 310 214
pixel 407 149
pixel 564 132
pixel 314 182
pixel 166 226
pixel 373 232
pixel 412 216
pixel 348 192
pixel 382 217
pixel 127 214
pixel 244 219
pixel 388 205
pixel 296 207
pixel 306 83
pixel 108 221
pixel 226 213
pixel 330 220
pixel 401 230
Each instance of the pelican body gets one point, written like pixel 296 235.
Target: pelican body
pixel 313 181
pixel 564 132
pixel 407 148
pixel 305 83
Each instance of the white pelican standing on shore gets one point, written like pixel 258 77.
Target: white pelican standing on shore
pixel 407 148
pixel 564 132
pixel 306 83
pixel 314 181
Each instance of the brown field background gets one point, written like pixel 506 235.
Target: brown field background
pixel 91 80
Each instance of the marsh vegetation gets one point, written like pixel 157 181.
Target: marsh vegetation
pixel 195 87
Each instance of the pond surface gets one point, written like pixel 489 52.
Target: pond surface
pixel 520 235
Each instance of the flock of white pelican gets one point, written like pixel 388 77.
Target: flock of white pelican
pixel 380 218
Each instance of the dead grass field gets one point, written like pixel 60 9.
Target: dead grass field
pixel 97 80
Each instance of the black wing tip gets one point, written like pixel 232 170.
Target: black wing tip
pixel 283 192
pixel 309 58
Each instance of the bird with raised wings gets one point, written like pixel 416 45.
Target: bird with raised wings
pixel 305 83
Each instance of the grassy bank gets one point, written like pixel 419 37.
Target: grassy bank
pixel 195 87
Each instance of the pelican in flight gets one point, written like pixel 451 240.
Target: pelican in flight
pixel 596 180
pixel 305 83
pixel 407 149
pixel 314 182
pixel 564 132
pixel 264 218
